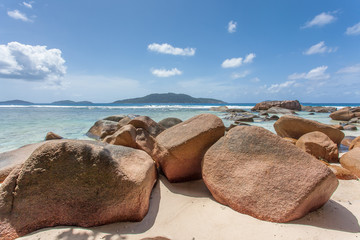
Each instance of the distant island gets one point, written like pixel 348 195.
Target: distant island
pixel 168 98
pixel 72 103
pixel 152 98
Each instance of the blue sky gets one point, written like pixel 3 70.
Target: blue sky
pixel 237 51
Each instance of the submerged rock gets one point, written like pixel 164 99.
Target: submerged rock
pixel 280 110
pixel 219 109
pixel 115 118
pixel 295 127
pixel 76 183
pixel 52 136
pixel 169 122
pixel 179 150
pixel 255 172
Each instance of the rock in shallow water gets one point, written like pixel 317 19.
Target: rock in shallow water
pixel 74 182
pixel 257 173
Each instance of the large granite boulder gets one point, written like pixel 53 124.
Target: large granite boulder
pixel 351 161
pixel 295 127
pixel 280 110
pixel 169 122
pixel 103 128
pixel 125 136
pixel 76 183
pixel 355 143
pixel 255 172
pixel 11 159
pixel 345 114
pixel 319 145
pixel 145 122
pixel 288 104
pixel 180 149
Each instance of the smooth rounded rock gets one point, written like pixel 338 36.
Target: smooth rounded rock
pixel 351 161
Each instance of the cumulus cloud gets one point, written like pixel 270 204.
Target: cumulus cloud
pixel 237 62
pixel 319 48
pixel 16 14
pixel 166 73
pixel 351 69
pixel 354 30
pixel 314 74
pixel 321 20
pixel 166 48
pixel 249 58
pixel 27 4
pixel 275 88
pixel 232 26
pixel 31 63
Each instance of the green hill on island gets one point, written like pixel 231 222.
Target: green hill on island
pixel 16 102
pixel 168 98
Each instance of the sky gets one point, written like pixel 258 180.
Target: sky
pixel 234 50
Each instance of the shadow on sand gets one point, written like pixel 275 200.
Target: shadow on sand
pixel 331 216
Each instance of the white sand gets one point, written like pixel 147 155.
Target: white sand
pixel 186 211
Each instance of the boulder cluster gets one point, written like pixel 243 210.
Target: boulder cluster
pixel 86 183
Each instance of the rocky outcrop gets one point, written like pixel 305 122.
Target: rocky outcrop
pixel 169 122
pixel 180 149
pixel 345 114
pixel 280 110
pixel 318 109
pixel 219 109
pixel 355 143
pixel 103 128
pixel 255 172
pixel 295 127
pixel 288 104
pixel 350 127
pixel 351 161
pixel 76 183
pixel 319 145
pixel 52 136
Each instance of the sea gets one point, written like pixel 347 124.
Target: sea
pixel 25 124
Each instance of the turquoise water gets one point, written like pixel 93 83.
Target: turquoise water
pixel 21 125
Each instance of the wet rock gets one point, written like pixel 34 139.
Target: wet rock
pixel 115 118
pixel 52 136
pixel 169 122
pixel 350 128
pixel 279 110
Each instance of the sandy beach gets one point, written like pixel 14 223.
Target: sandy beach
pixel 187 211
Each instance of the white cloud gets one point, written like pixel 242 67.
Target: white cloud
pixel 168 49
pixel 351 69
pixel 16 14
pixel 240 75
pixel 354 30
pixel 275 88
pixel 319 48
pixel 232 63
pixel 232 26
pixel 314 74
pixel 27 4
pixel 27 62
pixel 321 20
pixel 255 80
pixel 249 58
pixel 166 73
pixel 237 62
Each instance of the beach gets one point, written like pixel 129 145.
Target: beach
pixel 185 210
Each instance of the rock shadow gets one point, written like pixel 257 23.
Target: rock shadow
pixel 194 188
pixel 331 216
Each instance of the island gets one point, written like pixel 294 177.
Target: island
pixel 169 98
pixel 16 102
pixel 72 103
